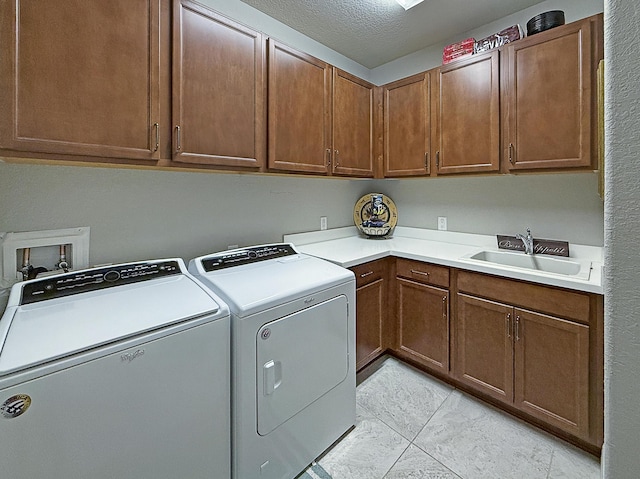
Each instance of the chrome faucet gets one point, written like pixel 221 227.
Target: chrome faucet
pixel 528 241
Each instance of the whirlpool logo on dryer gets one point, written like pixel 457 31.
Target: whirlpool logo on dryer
pixel 128 357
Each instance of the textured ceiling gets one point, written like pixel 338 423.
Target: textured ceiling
pixel 374 32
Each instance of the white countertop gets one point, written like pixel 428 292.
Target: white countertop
pixel 347 248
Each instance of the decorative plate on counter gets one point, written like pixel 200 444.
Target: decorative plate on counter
pixel 375 215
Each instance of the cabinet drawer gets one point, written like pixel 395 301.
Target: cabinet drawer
pixel 423 272
pixel 558 302
pixel 369 272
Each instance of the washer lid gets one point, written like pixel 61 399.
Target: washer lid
pixel 36 333
pixel 255 287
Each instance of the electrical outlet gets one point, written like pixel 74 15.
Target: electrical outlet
pixel 442 223
pixel 323 223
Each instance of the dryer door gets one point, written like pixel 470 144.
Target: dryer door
pixel 300 357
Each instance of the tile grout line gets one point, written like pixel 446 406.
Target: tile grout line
pixel 553 452
pixel 425 425
pixel 396 461
pixel 434 413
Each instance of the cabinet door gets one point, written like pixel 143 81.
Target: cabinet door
pixel 423 324
pixel 299 111
pixel 468 116
pixel 370 305
pixel 218 89
pixel 371 310
pixel 80 77
pixel 483 346
pixel 353 125
pixel 549 98
pixel 552 370
pixel 407 126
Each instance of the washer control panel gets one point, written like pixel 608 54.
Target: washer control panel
pixel 249 255
pixel 94 279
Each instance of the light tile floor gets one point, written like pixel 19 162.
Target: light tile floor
pixel 412 426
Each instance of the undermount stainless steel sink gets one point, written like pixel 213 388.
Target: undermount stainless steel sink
pixel 542 264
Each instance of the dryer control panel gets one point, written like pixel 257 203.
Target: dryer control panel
pixel 94 279
pixel 242 256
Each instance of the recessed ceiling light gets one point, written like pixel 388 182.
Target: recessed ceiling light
pixel 407 4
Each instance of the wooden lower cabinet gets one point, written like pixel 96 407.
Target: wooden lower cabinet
pixel 423 324
pixel 371 310
pixel 552 370
pixel 538 363
pixel 535 350
pixel 546 366
pixel 483 348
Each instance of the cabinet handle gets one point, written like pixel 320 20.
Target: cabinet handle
pixel 426 160
pixel 508 325
pixel 335 157
pixel 368 273
pixel 518 328
pixel 413 271
pixel 511 160
pixel 157 127
pixel 178 145
pixel 444 307
pixel 328 156
pixel 438 159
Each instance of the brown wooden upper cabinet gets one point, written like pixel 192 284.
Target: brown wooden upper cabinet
pixel 354 106
pixel 320 119
pixel 467 112
pixel 80 78
pixel 218 89
pixel 407 126
pixel 550 101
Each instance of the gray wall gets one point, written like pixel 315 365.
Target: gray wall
pixel 622 230
pixel 563 206
pixel 136 214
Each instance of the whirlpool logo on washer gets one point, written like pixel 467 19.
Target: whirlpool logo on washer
pixel 15 406
pixel 128 357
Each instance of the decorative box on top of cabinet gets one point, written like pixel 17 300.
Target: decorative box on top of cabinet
pixel 80 78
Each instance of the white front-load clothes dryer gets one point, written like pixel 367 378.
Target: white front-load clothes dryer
pixel 115 372
pixel 293 355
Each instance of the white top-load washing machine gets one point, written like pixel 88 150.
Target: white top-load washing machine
pixel 115 372
pixel 293 355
